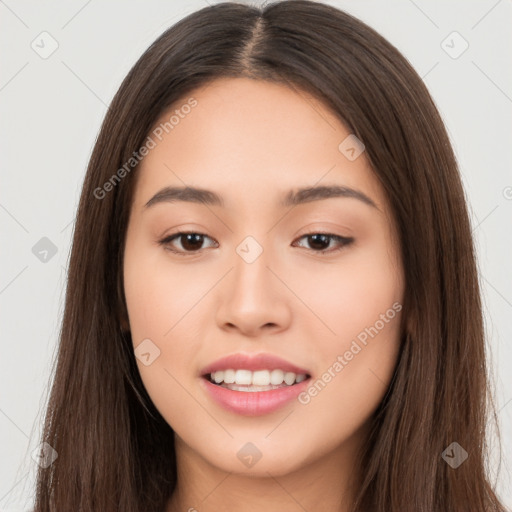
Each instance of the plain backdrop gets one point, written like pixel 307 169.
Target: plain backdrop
pixel 51 107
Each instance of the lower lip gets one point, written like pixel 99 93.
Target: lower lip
pixel 254 403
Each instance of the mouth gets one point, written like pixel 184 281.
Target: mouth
pixel 251 384
pixel 255 381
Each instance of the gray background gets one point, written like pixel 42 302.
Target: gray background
pixel 51 109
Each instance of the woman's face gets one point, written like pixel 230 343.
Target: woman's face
pixel 261 272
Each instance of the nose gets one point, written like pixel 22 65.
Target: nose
pixel 253 298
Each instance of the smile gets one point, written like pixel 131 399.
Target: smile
pixel 260 380
pixel 253 384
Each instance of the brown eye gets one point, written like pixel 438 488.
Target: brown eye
pixel 190 242
pixel 319 242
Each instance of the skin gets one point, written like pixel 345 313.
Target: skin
pixel 251 142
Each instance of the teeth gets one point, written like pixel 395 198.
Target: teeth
pixel 276 377
pixel 229 376
pixel 289 378
pixel 243 377
pixel 256 378
pixel 260 378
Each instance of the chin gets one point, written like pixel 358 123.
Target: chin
pixel 256 457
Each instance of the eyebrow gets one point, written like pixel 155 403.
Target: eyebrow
pixel 292 198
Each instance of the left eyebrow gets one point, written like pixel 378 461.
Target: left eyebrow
pixel 189 194
pixel 292 198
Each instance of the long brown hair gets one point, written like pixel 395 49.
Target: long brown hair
pixel 115 451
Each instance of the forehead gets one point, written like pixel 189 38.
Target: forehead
pixel 250 138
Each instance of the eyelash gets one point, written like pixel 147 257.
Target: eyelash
pixel 344 241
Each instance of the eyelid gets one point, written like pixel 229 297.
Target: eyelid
pixel 344 240
pixel 173 236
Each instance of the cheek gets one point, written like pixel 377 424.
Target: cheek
pixel 353 380
pixel 359 305
pixel 157 296
pixel 352 375
pixel 160 309
pixel 347 296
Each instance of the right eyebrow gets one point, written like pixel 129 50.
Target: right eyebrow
pixel 308 194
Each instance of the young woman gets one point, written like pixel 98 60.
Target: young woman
pixel 273 301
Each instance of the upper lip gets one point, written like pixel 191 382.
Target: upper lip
pixel 252 362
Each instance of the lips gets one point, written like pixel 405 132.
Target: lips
pixel 253 363
pixel 260 396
